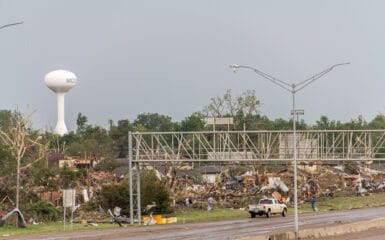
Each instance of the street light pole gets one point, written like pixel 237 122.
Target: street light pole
pixel 296 225
pixel 293 89
pixel 18 160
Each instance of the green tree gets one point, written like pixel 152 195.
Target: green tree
pixel 68 177
pixel 119 136
pixel 95 141
pixel 59 144
pixel 355 124
pixel 282 124
pixel 5 118
pixel 193 122
pixel 378 122
pixel 154 122
pixel 81 123
pixel 43 176
pixel 325 124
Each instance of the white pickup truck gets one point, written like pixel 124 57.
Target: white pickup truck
pixel 268 206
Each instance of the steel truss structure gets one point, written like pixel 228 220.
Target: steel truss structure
pixel 249 147
pixel 258 145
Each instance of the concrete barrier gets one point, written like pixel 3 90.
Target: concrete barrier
pixel 324 231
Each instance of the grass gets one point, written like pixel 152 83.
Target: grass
pixel 9 229
pixel 346 203
pixel 326 204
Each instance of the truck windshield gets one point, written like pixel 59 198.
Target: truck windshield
pixel 265 201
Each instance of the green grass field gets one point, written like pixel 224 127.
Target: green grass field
pixel 329 204
pixel 345 203
pixel 10 229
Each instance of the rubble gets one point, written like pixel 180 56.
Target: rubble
pixel 240 190
pixel 235 187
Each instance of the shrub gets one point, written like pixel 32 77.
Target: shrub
pixel 43 210
pixel 152 191
pixel 107 165
pixel 90 206
pixel 116 195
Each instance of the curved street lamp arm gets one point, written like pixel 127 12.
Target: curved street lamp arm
pixel 272 79
pixel 308 81
pixel 10 24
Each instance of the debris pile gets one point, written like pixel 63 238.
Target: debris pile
pixel 237 191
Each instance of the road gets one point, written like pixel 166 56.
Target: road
pixel 230 229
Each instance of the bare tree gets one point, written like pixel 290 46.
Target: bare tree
pixel 215 108
pixel 19 139
pixel 245 104
pixel 248 103
pixel 57 145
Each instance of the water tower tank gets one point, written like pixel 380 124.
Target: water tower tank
pixel 60 82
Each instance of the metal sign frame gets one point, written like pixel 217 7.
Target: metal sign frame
pixel 249 147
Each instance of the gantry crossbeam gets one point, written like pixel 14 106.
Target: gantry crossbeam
pixel 312 145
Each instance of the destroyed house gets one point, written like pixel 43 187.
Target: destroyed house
pixel 209 172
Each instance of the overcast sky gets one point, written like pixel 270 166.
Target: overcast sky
pixel 171 57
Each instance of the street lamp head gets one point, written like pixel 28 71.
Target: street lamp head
pixel 234 67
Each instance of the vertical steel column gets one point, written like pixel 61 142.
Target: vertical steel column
pixel 296 227
pixel 130 177
pixel 214 142
pixel 139 209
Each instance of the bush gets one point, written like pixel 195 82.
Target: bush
pixel 107 165
pixel 116 195
pixel 152 191
pixel 90 206
pixel 44 211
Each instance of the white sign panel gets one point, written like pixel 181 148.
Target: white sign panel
pixel 298 112
pixel 69 197
pixel 219 121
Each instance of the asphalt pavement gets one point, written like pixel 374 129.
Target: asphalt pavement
pixel 219 230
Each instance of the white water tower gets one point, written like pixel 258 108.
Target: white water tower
pixel 60 81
